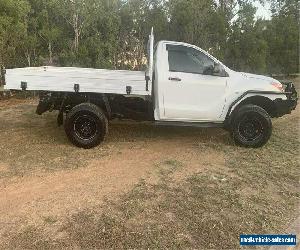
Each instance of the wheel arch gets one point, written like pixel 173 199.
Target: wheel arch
pixel 261 101
pixel 64 101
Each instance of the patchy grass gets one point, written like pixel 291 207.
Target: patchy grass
pixel 256 191
pixel 50 220
pixel 34 144
pixel 31 143
pixel 258 194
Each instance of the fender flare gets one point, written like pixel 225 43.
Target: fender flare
pixel 235 103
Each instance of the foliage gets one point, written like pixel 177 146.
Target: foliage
pixel 13 30
pixel 283 49
pixel 246 48
pixel 113 33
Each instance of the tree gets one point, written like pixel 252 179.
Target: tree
pixel 203 23
pixel 79 14
pixel 246 47
pixel 189 21
pixel 99 45
pixel 44 29
pixel 13 25
pixel 113 33
pixel 282 36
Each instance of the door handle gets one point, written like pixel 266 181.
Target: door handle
pixel 175 79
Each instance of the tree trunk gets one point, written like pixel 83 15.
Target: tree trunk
pixel 76 40
pixel 50 53
pixel 76 31
pixel 34 57
pixel 28 58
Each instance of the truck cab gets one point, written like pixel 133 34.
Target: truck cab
pixel 190 85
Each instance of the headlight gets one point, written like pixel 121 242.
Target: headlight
pixel 278 86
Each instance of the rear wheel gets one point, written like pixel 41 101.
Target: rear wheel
pixel 86 125
pixel 251 127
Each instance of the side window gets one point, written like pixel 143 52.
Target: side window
pixel 188 60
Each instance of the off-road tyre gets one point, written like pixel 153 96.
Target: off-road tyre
pixel 86 125
pixel 251 126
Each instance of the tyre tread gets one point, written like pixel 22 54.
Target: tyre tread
pixel 264 115
pixel 89 107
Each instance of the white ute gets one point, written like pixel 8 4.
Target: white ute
pixel 183 86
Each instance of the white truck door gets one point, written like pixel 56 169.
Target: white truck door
pixel 189 93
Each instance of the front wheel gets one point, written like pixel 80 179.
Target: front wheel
pixel 251 127
pixel 86 125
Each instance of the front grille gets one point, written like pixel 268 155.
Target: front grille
pixel 290 89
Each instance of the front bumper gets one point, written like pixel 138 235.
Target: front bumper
pixel 284 107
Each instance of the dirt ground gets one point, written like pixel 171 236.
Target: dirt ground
pixel 144 187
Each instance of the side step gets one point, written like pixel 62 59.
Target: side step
pixel 190 124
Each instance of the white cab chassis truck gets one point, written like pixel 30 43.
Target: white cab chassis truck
pixel 183 86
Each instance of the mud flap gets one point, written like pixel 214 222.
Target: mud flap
pixel 43 107
pixel 60 119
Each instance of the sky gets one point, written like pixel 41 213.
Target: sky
pixel 263 11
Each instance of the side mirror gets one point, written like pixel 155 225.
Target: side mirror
pixel 217 69
pixel 208 70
